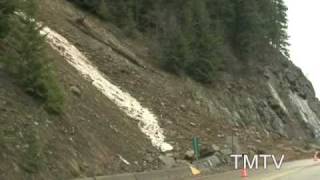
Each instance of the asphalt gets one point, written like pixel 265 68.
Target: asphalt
pixel 296 170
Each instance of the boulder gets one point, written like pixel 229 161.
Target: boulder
pixel 189 155
pixel 169 162
pixel 215 147
pixel 207 163
pixel 214 161
pixel 149 158
pixel 206 151
pixel 314 146
pixel 75 90
pixel 226 152
pixel 183 107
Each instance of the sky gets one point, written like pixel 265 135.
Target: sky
pixel 304 32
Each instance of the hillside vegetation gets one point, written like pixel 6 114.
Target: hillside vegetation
pixel 91 99
pixel 193 35
pixel 23 53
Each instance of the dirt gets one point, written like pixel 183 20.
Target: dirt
pixel 91 134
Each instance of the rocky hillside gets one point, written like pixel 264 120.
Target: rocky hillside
pixel 268 105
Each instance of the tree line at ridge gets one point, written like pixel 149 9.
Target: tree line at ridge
pixel 192 34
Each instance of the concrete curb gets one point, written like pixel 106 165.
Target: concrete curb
pixel 169 174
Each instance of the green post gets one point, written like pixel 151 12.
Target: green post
pixel 196 147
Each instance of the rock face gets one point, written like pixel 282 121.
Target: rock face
pixel 276 98
pixel 308 116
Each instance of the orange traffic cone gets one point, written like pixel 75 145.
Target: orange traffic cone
pixel 244 172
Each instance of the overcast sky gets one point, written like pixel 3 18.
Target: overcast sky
pixel 304 32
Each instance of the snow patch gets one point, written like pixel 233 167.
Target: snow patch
pixel 124 160
pixel 306 113
pixel 277 97
pixel 148 122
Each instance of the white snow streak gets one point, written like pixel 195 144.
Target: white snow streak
pixel 148 122
pixel 124 160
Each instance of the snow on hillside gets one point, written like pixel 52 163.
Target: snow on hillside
pixel 148 122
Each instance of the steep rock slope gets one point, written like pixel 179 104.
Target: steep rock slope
pixel 263 103
pixel 88 138
pixel 275 94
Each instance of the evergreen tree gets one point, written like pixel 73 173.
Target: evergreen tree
pixel 26 59
pixel 223 15
pixel 250 34
pixel 7 7
pixel 202 28
pixel 280 35
pixel 175 53
pixel 201 67
pixel 103 10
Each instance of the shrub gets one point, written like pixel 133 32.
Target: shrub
pixel 25 58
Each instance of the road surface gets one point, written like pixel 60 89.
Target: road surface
pixel 297 170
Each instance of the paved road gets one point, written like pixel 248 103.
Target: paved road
pixel 297 170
